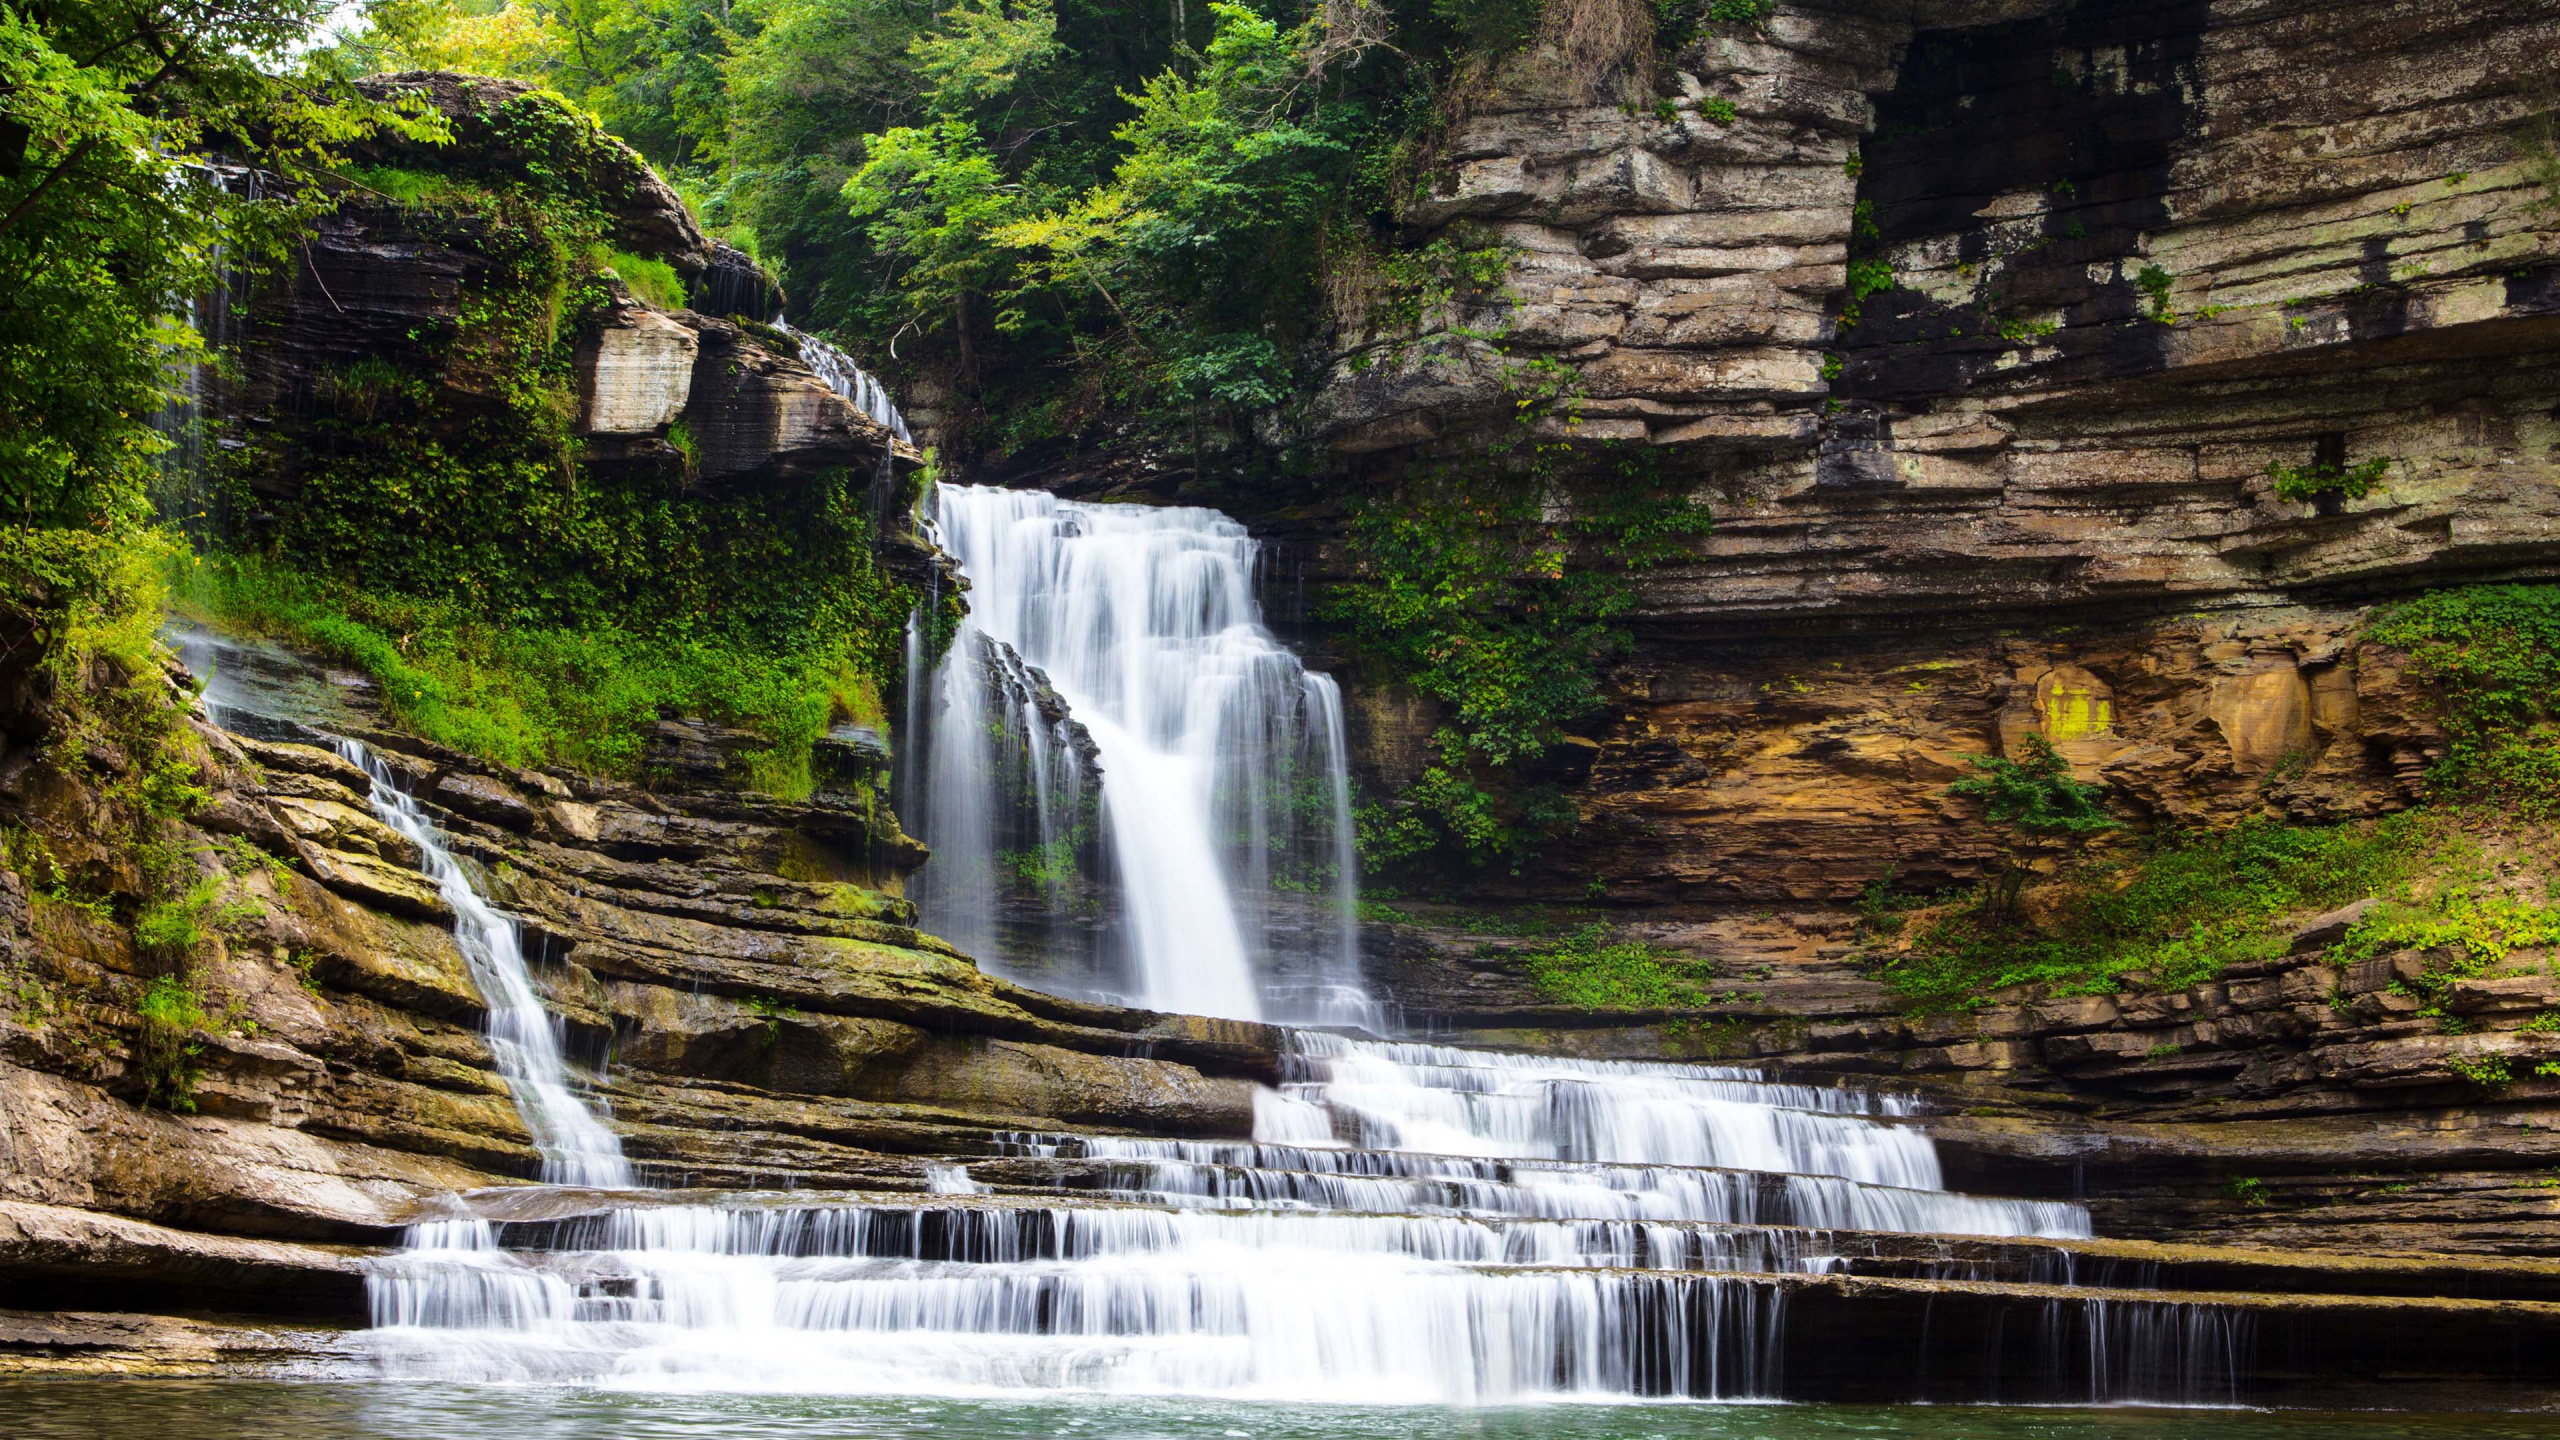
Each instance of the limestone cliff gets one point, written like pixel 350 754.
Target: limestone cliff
pixel 2113 262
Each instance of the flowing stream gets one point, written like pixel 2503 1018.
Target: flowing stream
pixel 524 1039
pixel 1410 1224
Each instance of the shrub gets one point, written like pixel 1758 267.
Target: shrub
pixel 1586 968
pixel 165 1050
pixel 2033 804
pixel 2492 652
pixel 2174 913
pixel 2306 484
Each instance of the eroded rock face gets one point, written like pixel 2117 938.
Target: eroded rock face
pixel 640 375
pixel 2115 260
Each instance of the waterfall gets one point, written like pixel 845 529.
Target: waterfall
pixel 1114 752
pixel 848 379
pixel 1410 1224
pixel 576 1148
pixel 1224 792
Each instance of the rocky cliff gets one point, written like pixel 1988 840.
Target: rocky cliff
pixel 2079 370
pixel 739 970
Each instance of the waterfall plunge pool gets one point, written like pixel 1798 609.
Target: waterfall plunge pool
pixel 115 1409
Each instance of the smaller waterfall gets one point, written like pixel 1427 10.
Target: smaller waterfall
pixel 848 380
pixel 576 1148
pixel 1225 803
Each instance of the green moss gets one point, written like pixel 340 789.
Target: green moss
pixel 1587 968
pixel 2173 914
pixel 165 1050
pixel 529 694
pixel 421 189
pixel 2492 653
pixel 1471 589
pixel 654 281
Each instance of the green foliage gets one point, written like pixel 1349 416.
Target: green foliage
pixel 2304 484
pixel 169 932
pixel 1586 968
pixel 166 1050
pixel 2489 1072
pixel 447 538
pixel 109 220
pixel 654 281
pixel 1872 276
pixel 1677 22
pixel 2474 930
pixel 1046 865
pixel 1470 592
pixel 2249 1190
pixel 2173 914
pixel 2035 792
pixel 2155 283
pixel 2033 803
pixel 1719 110
pixel 2492 652
pixel 1064 208
pixel 583 695
pixel 772 1013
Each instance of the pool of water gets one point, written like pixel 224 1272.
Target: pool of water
pixel 119 1409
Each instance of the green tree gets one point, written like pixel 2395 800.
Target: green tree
pixel 112 210
pixel 2033 805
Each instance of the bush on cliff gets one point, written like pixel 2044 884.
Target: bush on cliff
pixel 2492 652
pixel 2168 914
pixel 433 517
pixel 583 695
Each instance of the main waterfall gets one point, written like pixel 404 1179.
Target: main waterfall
pixel 1406 1223
pixel 1224 792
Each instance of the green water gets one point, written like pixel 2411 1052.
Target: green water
pixel 54 1409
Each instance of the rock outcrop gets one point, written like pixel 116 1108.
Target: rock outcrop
pixel 2110 263
pixel 740 969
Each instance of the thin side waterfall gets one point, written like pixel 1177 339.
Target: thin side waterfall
pixel 848 379
pixel 576 1148
pixel 1224 847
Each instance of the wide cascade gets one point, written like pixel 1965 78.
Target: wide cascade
pixel 1410 1223
pixel 1407 1222
pixel 1113 719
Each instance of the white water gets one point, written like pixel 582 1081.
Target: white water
pixel 848 379
pixel 1409 1223
pixel 1571 1229
pixel 576 1147
pixel 1225 792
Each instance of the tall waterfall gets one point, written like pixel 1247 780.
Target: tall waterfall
pixel 1127 639
pixel 523 1038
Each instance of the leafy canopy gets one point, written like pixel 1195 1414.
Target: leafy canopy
pixel 112 213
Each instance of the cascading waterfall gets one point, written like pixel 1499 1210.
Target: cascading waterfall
pixel 1500 1227
pixel 1409 1223
pixel 576 1147
pixel 1224 783
pixel 848 379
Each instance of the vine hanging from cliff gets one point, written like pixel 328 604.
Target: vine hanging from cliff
pixel 1497 584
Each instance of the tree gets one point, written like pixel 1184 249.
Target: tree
pixel 113 213
pixel 2032 804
